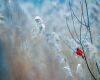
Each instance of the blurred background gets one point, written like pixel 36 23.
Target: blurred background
pixel 39 38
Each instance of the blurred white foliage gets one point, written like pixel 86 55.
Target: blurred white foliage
pixel 64 62
pixel 73 45
pixel 26 45
pixel 68 14
pixel 68 72
pixel 9 1
pixel 59 58
pixel 1 18
pixel 90 49
pixel 39 28
pixel 38 19
pixel 80 72
pixel 54 40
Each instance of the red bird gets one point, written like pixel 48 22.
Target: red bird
pixel 79 52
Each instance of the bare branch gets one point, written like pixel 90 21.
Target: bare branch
pixel 71 33
pixel 74 24
pixel 88 24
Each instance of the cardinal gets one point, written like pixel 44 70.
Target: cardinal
pixel 79 52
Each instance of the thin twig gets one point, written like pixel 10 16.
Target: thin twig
pixel 88 29
pixel 81 4
pixel 67 44
pixel 83 48
pixel 89 68
pixel 81 28
pixel 97 67
pixel 87 62
pixel 88 24
pixel 77 17
pixel 71 33
pixel 73 23
pixel 82 16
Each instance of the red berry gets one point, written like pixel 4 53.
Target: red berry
pixel 79 52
